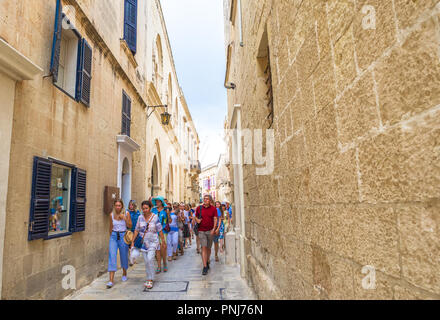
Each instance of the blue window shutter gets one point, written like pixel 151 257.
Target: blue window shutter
pixel 79 200
pixel 124 108
pixel 130 24
pixel 40 199
pixel 85 73
pixel 126 114
pixel 56 45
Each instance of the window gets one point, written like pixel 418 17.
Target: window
pixel 60 188
pixel 130 24
pixel 68 63
pixel 158 67
pixel 233 11
pixel 71 61
pixel 126 114
pixel 58 200
pixel 264 85
pixel 240 23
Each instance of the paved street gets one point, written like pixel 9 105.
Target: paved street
pixel 183 281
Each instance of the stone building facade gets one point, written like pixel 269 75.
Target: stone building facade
pixel 223 179
pixel 215 181
pixel 350 89
pixel 208 181
pixel 79 78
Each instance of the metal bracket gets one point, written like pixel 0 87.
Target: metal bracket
pixel 154 107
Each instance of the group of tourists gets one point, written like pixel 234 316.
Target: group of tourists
pixel 161 231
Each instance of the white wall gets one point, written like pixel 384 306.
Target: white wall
pixel 7 92
pixel 126 185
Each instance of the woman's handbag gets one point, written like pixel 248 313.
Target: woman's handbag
pixel 134 255
pixel 139 242
pixel 128 237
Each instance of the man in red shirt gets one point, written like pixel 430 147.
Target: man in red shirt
pixel 206 217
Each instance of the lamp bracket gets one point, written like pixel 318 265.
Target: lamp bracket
pixel 154 107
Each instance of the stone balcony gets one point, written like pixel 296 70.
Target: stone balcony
pixel 196 167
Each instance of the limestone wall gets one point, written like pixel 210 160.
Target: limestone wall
pixel 49 123
pixel 357 125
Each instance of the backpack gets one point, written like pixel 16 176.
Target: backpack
pixel 198 215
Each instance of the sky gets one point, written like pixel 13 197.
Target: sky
pixel 196 32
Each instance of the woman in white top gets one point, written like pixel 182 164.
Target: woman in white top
pixel 119 223
pixel 149 228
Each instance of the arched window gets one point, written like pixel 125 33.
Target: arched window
pixel 158 67
pixel 170 96
pixel 170 92
pixel 176 113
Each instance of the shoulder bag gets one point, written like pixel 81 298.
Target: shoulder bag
pixel 139 242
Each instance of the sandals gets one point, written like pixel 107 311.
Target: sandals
pixel 148 284
pixel 110 285
pixel 165 269
pixel 158 270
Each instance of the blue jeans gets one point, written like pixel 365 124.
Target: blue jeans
pixel 114 245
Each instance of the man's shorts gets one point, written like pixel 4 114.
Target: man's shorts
pixel 206 239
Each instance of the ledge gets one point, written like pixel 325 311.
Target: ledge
pixel 16 65
pixel 128 143
pixel 130 55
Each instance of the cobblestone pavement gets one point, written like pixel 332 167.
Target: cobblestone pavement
pixel 183 281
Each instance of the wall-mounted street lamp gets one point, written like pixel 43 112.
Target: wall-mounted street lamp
pixel 165 117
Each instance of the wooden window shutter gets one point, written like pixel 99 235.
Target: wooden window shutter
pixel 56 45
pixel 130 24
pixel 85 73
pixel 126 114
pixel 79 200
pixel 40 199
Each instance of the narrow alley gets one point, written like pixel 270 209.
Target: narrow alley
pixel 183 281
pixel 303 137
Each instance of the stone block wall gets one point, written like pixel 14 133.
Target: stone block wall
pixel 357 165
pixel 49 123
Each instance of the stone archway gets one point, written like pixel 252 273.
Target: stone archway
pixel 155 186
